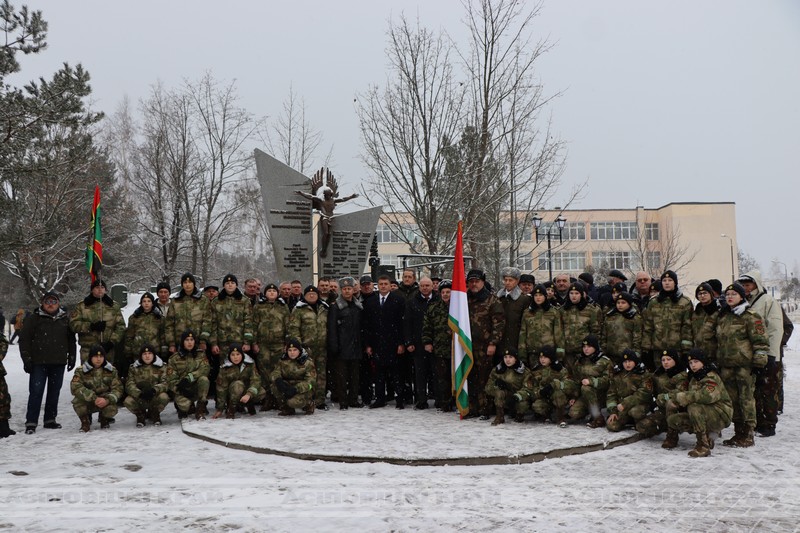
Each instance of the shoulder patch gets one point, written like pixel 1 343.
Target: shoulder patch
pixel 711 385
pixel 73 313
pixel 760 327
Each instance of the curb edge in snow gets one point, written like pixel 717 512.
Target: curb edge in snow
pixel 453 461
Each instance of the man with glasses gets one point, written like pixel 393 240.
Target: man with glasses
pixel 641 290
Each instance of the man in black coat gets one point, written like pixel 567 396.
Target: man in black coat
pixel 383 331
pixel 47 345
pixel 345 336
pixel 416 306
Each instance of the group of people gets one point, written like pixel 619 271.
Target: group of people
pixel 566 350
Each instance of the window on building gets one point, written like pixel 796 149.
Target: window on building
pixel 389 259
pixel 613 231
pixel 612 260
pixel 563 261
pixel 574 231
pixel 387 234
pixel 651 231
pixel 525 262
pixel 654 262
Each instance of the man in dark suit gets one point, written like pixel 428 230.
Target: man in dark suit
pixel 383 330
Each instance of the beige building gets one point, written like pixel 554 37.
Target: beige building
pixel 684 236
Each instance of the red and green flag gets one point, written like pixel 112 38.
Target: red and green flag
pixel 459 323
pixel 94 252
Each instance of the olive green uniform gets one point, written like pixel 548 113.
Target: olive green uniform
pixel 270 320
pixel 309 324
pixel 547 388
pixel 541 326
pixel 233 321
pixel 512 380
pixel 144 328
pixel 234 381
pixel 591 397
pixel 666 384
pixel 708 406
pixel 301 374
pixel 578 321
pixel 194 367
pixel 704 327
pixel 188 312
pixel 621 331
pixel 487 322
pixel 90 311
pixel 152 376
pixel 630 396
pixel 89 383
pixel 436 331
pixel 667 324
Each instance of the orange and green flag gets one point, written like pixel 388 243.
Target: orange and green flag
pixel 94 252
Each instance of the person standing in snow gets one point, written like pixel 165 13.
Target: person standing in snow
pixel 98 320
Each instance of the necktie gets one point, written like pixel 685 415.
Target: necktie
pixel 383 300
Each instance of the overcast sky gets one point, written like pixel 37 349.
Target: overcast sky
pixel 681 101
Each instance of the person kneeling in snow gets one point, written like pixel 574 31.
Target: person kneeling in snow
pixel 238 383
pixel 709 409
pixel 504 382
pixel 549 387
pixel 95 387
pixel 630 394
pixel 293 380
pixel 187 378
pixel 591 374
pixel 147 387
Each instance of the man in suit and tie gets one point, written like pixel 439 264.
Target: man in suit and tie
pixel 383 331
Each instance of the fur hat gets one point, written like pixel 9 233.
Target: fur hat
pixel 510 272
pixel 445 284
pixel 347 281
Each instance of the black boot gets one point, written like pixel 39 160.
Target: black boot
pixel 5 431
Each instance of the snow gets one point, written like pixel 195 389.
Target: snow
pixel 126 478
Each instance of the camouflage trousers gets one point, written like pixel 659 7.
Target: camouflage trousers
pixel 266 359
pixel 769 384
pixel 298 401
pixel 543 407
pixel 588 402
pixel 699 419
pixel 506 400
pixel 628 416
pixel 5 400
pixel 654 423
pixel 476 382
pixel 320 357
pixel 442 367
pixel 234 393
pixel 199 393
pixel 138 406
pixel 84 408
pixel 740 384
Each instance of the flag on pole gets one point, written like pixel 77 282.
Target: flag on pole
pixel 94 252
pixel 459 323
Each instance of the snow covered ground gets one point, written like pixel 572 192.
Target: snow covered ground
pixel 160 479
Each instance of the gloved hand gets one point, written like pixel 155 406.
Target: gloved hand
pixel 500 384
pixel 184 387
pixel 71 364
pixel 546 391
pixel 107 346
pixel 146 390
pixel 291 391
pixel 98 326
pixel 282 386
pixel 771 362
pixel 27 366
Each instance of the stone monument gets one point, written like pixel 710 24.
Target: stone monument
pixel 343 240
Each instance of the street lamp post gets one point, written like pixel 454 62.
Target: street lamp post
pixel 733 269
pixel 560 222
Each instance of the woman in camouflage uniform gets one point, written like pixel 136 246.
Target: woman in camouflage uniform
pixel 293 380
pixel 541 326
pixel 437 338
pixel 630 392
pixel 667 322
pixel 147 387
pixel 592 376
pixel 270 320
pixel 622 328
pixel 579 318
pixel 95 387
pixel 704 321
pixel 549 387
pixel 308 322
pixel 187 378
pixel 238 383
pixel 668 380
pixel 145 326
pixel 505 380
pixel 708 407
pixel 743 348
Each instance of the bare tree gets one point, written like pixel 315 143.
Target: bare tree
pixel 668 251
pixel 746 262
pixel 406 128
pixel 291 137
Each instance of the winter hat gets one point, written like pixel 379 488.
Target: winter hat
pixel 433 279
pixel 539 289
pixel 655 285
pixel 617 274
pixel 294 342
pixel 716 285
pixel 628 297
pixel 147 347
pixel 510 272
pixel 577 286
pixel 631 355
pixel 445 284
pixel 271 286
pixel 97 283
pixel 366 278
pixel 618 288
pixel 738 288
pixel 476 273
pixel 50 294
pixel 147 295
pixel 548 284
pixel 187 335
pixel 746 277
pixel 97 349
pixel 210 288
pixel 591 340
pixel 700 355
pixel 347 281
pixel 705 286
pixel 670 274
pixel 163 285
pixel 527 278
pixel 587 278
pixel 310 288
pixel 230 277
pixel 235 347
pixel 548 351
pixel 189 276
pixel 672 353
pixel 512 352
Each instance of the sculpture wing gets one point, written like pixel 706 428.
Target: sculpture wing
pixel 316 181
pixel 332 185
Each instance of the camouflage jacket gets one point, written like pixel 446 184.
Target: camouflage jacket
pixel 708 389
pixel 189 312
pixel 436 329
pixel 555 375
pixel 741 334
pixel 145 328
pixel 514 377
pixel 232 319
pixel 596 369
pixel 514 305
pixel 621 331
pixel 246 372
pixel 704 329
pixel 190 365
pixel 270 320
pixel 668 383
pixel 630 389
pixel 310 326
pixel 578 321
pixel 92 310
pixel 486 319
pixel 154 374
pixel 668 323
pixel 541 326
pixel 90 383
pixel 300 372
